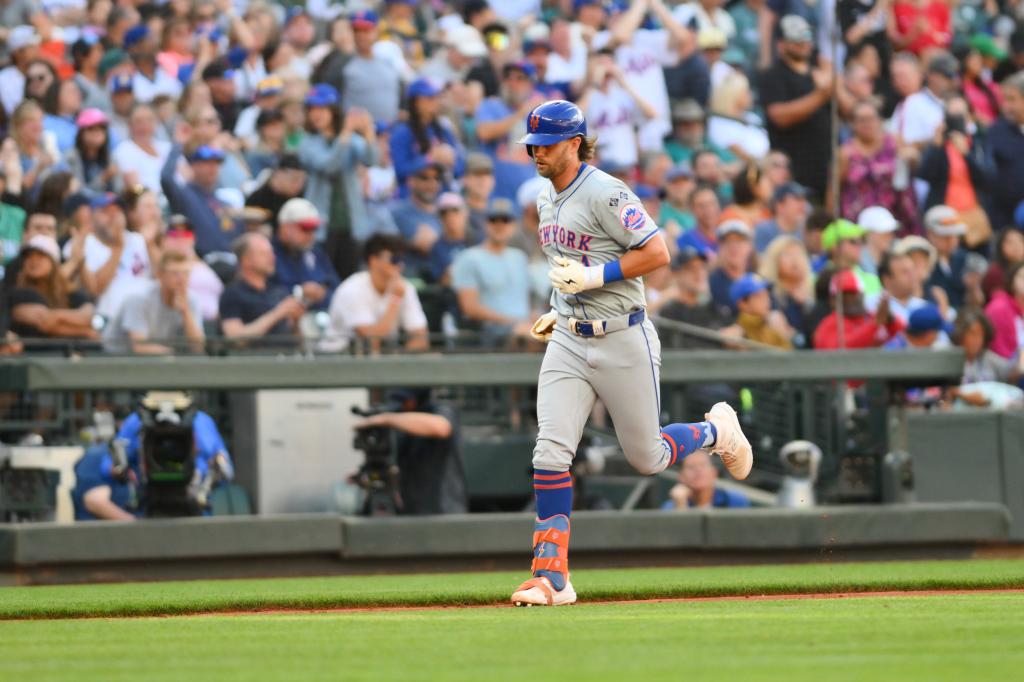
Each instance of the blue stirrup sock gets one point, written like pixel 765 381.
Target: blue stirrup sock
pixel 682 439
pixel 553 490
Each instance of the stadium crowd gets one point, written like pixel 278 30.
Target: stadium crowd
pixel 832 174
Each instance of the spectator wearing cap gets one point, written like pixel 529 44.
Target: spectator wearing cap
pixel 958 173
pixel 921 26
pixel 712 43
pixel 162 319
pixel 35 223
pixel 43 303
pixel 945 230
pixel 86 53
pixel 378 304
pixel 691 302
pixel 787 268
pixel 857 328
pixel 707 211
pixel 843 243
pixel 398 25
pixel 732 124
pixel 204 129
pixel 425 138
pixel 252 307
pixel 735 250
pixel 478 190
pixel 116 261
pixel 143 154
pixel 537 52
pixel 203 283
pixel 688 132
pixel 463 46
pixel 750 297
pixel 492 280
pixel 89 160
pixel 331 150
pixel 416 216
pixel 796 95
pixel 454 237
pixel 149 79
pixel 122 102
pixel 868 168
pixel 287 181
pixel 789 216
pixel 371 82
pixel 980 90
pixel 300 262
pixel 614 110
pixel 880 226
pixel 23 46
pixel 267 98
pixel 925 329
pixel 1014 61
pixel 269 146
pixel 1005 147
pixel 196 198
pixel 924 256
pixel 220 78
pixel 706 14
pixel 675 216
pixel 487 71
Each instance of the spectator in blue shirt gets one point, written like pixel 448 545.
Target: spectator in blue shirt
pixel 416 215
pixel 300 261
pixel 696 486
pixel 735 248
pixel 425 139
pixel 196 199
pixel 453 240
pixel 706 209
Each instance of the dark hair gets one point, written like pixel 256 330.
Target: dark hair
pixel 131 195
pixel 699 153
pixel 704 187
pixel 885 265
pixel 969 316
pixel 745 183
pixel 999 257
pixel 52 193
pixel 380 243
pixel 53 75
pixel 587 149
pixel 51 100
pixel 335 123
pixel 420 128
pixel 1010 274
pixel 471 8
pixel 819 219
pixel 240 246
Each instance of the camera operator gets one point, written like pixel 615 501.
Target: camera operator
pixel 107 489
pixel 432 480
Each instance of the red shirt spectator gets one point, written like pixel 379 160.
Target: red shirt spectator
pixel 860 329
pixel 919 25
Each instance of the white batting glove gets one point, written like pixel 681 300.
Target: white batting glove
pixel 544 326
pixel 572 277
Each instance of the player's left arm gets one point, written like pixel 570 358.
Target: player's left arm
pixel 572 277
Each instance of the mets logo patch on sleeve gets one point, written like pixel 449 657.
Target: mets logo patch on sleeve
pixel 632 217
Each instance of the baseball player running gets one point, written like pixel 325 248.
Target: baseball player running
pixel 599 242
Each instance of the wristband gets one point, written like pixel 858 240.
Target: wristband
pixel 613 272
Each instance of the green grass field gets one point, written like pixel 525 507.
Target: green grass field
pixel 944 637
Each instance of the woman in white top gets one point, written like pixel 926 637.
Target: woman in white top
pixel 142 154
pixel 732 124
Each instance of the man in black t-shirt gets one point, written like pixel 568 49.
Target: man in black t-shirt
pixel 286 182
pixel 693 303
pixel 252 308
pixel 796 99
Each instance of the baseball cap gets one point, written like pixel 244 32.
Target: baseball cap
pixel 290 161
pixel 646 192
pixel 104 200
pixel 136 34
pixel 501 208
pixel 271 85
pixel 915 243
pixel 422 163
pixel 217 69
pixel 301 211
pixel 685 255
pixel 944 221
pixel 986 46
pixel 206 153
pixel 944 64
pixel 747 285
pixel 121 83
pixel 73 203
pixel 43 244
pixel 22 36
pixel 364 19
pixel 838 231
pixel 795 29
pixel 449 200
pixel 788 189
pixel 679 171
pixel 236 57
pixel 845 282
pixel 537 34
pixel 711 38
pixel 525 68
pixel 877 219
pixel 466 40
pixel 687 111
pixel 90 117
pixel 927 318
pixel 423 87
pixel 112 58
pixel 477 162
pixel 83 45
pixel 733 226
pixel 322 95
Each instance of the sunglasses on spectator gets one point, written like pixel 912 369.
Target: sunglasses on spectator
pixel 38 76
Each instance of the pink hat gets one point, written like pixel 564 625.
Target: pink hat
pixel 90 117
pixel 449 200
pixel 43 244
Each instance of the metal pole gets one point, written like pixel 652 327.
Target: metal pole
pixel 834 175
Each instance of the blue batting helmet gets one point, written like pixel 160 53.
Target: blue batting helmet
pixel 552 122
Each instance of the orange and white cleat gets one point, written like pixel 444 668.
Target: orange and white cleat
pixel 540 592
pixel 732 446
pixel 550 584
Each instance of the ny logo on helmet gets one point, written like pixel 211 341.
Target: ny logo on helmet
pixel 534 122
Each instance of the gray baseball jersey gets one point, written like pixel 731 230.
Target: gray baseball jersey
pixel 595 220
